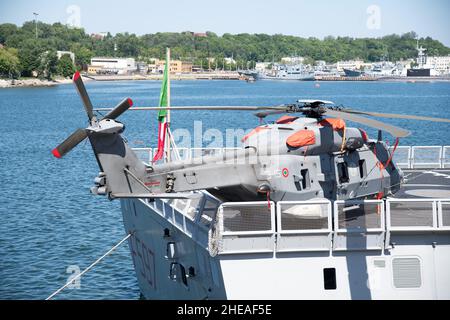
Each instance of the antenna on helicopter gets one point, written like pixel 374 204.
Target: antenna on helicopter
pixel 380 135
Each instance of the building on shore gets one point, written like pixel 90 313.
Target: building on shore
pixel 262 66
pixel 292 60
pixel 99 36
pixel 230 60
pixel 69 53
pixel 117 66
pixel 176 66
pixel 439 63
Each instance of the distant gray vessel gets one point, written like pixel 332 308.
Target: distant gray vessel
pixel 287 72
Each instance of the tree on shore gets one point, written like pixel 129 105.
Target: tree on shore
pixel 48 65
pixel 30 52
pixel 9 63
pixel 245 48
pixel 65 66
pixel 83 56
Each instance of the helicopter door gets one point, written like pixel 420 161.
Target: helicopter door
pixel 303 182
pixel 342 169
pixel 351 170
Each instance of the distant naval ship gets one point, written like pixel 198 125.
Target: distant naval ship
pixel 286 72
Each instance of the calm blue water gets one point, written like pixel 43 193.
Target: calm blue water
pixel 50 221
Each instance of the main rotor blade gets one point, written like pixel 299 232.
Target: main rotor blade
pixel 70 143
pixel 84 95
pixel 396 116
pixel 188 108
pixel 119 109
pixel 262 115
pixel 395 131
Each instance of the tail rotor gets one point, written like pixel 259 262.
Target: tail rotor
pixel 94 125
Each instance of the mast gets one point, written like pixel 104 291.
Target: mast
pixel 168 133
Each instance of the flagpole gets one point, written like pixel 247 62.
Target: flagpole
pixel 168 145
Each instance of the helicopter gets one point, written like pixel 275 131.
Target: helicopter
pixel 308 153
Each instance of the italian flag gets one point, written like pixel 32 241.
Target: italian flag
pixel 162 116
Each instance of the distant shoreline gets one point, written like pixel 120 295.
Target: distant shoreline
pixel 37 83
pixel 32 83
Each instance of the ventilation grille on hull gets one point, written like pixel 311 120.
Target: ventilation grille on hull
pixel 406 273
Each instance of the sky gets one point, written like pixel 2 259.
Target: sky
pixel 312 18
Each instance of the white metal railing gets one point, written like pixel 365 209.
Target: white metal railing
pixel 304 225
pixel 443 210
pixel 359 225
pixel 426 157
pixel 402 156
pixel 245 227
pixel 414 214
pixel 420 157
pixel 417 157
pixel 194 217
pixel 299 226
pixel 324 226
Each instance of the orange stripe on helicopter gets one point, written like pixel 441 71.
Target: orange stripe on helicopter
pixel 286 120
pixel 254 131
pixel 336 124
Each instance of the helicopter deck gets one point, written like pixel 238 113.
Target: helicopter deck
pixel 425 183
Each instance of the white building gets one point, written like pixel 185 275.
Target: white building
pixel 61 53
pixel 114 65
pixel 440 63
pixel 292 60
pixel 230 61
pixel 262 66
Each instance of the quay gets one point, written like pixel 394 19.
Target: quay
pixel 362 78
pixel 182 76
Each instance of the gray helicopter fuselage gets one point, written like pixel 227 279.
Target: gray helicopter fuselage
pixel 332 167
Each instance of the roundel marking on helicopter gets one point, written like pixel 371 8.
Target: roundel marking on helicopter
pixel 285 172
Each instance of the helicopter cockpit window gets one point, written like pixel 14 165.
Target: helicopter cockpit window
pixel 343 172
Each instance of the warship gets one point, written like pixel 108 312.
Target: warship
pixel 423 68
pixel 308 208
pixel 296 72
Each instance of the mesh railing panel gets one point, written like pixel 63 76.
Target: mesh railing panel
pixel 246 218
pixel 304 217
pixel 426 157
pixel 411 214
pixel 401 156
pixel 359 215
pixel 445 214
pixel 446 157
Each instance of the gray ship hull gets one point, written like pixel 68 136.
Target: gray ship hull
pixel 288 77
